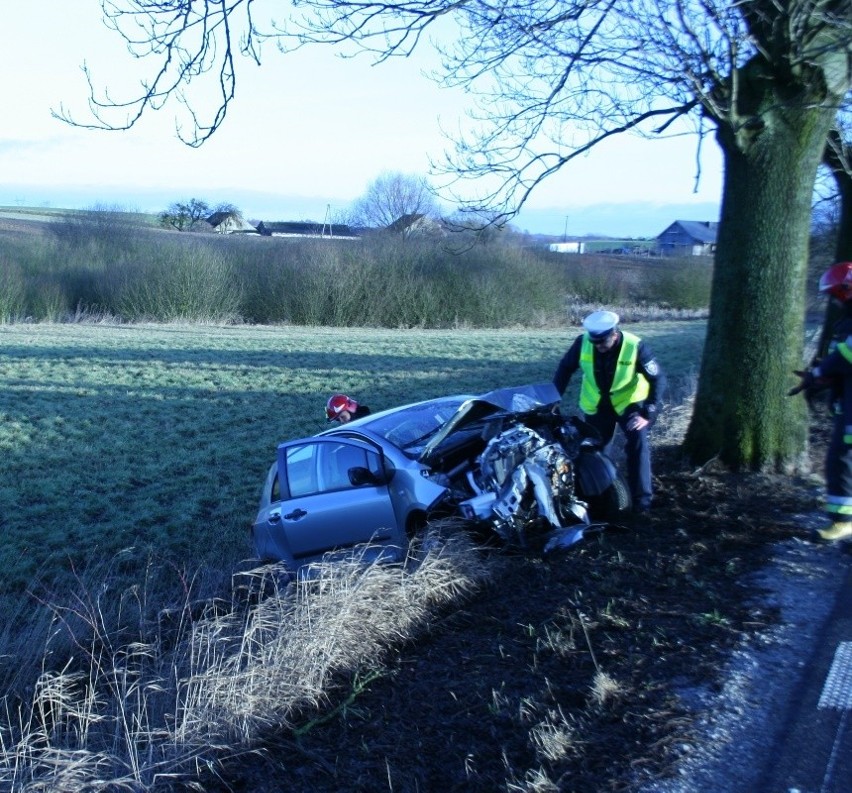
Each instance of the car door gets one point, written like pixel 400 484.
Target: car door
pixel 314 507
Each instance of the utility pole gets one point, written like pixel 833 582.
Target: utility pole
pixel 327 222
pixel 565 233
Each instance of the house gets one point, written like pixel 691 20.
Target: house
pixel 228 223
pixel 688 238
pixel 307 228
pixel 415 223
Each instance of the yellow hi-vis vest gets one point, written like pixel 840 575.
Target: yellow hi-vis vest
pixel 628 385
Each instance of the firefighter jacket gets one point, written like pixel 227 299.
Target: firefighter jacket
pixel 836 368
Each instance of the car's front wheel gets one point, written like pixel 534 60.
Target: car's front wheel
pixel 613 503
pixel 416 525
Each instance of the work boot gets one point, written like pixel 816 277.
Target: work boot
pixel 836 531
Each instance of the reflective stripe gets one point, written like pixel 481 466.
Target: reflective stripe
pixel 843 349
pixel 628 385
pixel 838 505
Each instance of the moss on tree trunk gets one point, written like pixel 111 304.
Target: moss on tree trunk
pixel 755 333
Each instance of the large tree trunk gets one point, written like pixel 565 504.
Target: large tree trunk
pixel 755 339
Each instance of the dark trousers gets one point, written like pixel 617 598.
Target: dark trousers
pixel 838 474
pixel 637 450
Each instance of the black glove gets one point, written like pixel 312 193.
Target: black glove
pixel 806 382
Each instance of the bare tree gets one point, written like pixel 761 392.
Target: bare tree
pixel 467 227
pixel 185 216
pixel 554 79
pixel 392 197
pixel 227 212
pixel 188 42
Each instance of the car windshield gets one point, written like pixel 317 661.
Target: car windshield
pixel 411 426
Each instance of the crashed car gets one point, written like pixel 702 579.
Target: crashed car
pixel 507 462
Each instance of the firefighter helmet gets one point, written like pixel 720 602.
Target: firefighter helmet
pixel 837 281
pixel 337 403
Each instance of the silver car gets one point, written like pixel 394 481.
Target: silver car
pixel 507 462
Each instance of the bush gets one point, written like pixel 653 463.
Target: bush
pixel 182 283
pixel 681 284
pixel 383 282
pixel 12 292
pixel 104 265
pixel 598 279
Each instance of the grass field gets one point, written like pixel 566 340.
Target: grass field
pixel 132 461
pixel 125 443
pixel 58 213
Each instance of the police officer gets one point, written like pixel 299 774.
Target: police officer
pixel 622 385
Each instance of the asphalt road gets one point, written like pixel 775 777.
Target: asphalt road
pixel 813 753
pixel 781 721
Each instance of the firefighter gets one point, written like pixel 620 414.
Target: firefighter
pixel 834 371
pixel 622 385
pixel 343 409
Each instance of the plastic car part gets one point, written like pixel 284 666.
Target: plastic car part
pixel 564 538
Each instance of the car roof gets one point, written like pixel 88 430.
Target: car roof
pixel 365 421
pixel 513 399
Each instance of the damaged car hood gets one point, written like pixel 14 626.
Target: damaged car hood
pixel 518 399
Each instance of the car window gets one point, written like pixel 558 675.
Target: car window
pixel 417 422
pixel 322 467
pixel 302 470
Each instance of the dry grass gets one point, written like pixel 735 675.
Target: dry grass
pixel 143 713
pixel 605 688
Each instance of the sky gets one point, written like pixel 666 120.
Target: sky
pixel 306 135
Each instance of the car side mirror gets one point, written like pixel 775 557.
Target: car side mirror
pixel 359 476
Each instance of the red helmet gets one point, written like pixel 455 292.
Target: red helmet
pixel 837 281
pixel 337 404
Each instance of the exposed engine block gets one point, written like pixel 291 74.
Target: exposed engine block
pixel 531 479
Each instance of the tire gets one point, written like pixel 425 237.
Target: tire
pixel 613 504
pixel 416 526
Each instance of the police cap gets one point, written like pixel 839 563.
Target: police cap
pixel 599 324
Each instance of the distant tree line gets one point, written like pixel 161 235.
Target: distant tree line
pixel 388 199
